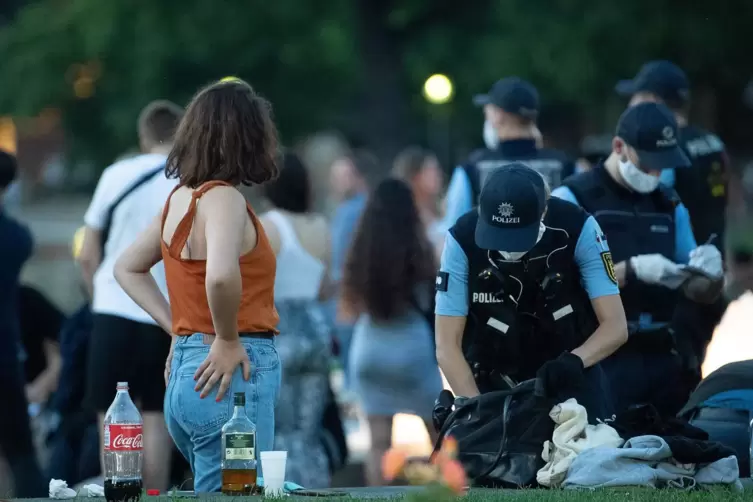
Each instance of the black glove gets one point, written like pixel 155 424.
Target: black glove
pixel 442 409
pixel 561 378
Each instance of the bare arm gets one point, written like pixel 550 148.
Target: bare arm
pixel 132 273
pixel 611 333
pixel 449 339
pixel 90 257
pixel 225 214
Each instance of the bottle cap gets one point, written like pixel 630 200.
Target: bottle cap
pixel 239 399
pixel 152 493
pixel 122 386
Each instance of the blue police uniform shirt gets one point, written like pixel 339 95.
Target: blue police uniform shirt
pixel 454 301
pixel 684 239
pixel 459 197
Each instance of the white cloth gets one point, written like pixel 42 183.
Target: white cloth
pixel 572 435
pixel 299 274
pixel 707 258
pixel 134 214
pixel 654 268
pixel 646 461
pixel 59 490
pixel 92 490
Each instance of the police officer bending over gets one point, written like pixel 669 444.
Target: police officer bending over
pixel 524 291
pixel 650 233
pixel 511 107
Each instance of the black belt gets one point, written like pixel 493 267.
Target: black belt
pixel 259 334
pixel 264 335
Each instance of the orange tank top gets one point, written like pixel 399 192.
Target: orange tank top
pixel 186 278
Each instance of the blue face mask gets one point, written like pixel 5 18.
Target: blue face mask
pixel 519 255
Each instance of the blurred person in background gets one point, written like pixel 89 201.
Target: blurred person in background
pixel 387 289
pixel 420 169
pixel 74 445
pixel 128 196
pixel 220 271
pixel 594 148
pixel 348 186
pixel 702 186
pixel 300 240
pixel 16 442
pixel 511 107
pixel 649 231
pixel 40 322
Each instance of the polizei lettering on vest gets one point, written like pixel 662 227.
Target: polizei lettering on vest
pixel 485 298
pixel 505 219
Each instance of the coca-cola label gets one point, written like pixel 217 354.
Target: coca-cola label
pixel 124 437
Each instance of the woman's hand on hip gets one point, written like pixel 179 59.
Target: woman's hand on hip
pixel 223 358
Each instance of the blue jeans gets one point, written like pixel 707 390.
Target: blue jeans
pixel 195 424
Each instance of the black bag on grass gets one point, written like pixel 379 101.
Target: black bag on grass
pixel 500 435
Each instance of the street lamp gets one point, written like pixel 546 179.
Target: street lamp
pixel 438 89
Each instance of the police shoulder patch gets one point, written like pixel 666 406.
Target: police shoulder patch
pixel 442 279
pixel 606 258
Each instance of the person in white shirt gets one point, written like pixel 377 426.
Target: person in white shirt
pixel 126 344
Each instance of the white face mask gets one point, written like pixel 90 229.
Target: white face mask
pixel 518 255
pixel 636 179
pixel 491 139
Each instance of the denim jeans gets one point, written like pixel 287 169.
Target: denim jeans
pixel 195 424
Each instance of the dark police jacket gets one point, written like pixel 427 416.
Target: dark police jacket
pixel 634 224
pixel 553 311
pixel 551 164
pixel 703 186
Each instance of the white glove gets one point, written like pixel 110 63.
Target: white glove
pixel 707 258
pixel 654 268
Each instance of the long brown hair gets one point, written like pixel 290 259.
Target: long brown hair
pixel 390 255
pixel 227 134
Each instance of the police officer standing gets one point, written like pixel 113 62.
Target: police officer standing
pixel 650 233
pixel 525 290
pixel 511 108
pixel 702 187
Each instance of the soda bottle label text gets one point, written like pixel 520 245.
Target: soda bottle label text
pixel 124 437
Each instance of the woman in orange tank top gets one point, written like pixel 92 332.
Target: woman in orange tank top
pixel 220 271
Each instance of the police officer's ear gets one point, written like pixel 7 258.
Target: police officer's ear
pixel 619 146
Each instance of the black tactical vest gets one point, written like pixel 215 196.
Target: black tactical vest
pixel 522 314
pixel 553 165
pixel 702 187
pixel 634 224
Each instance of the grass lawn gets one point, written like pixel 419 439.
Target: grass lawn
pixel 616 495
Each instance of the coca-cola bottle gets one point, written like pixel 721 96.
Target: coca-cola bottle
pixel 124 448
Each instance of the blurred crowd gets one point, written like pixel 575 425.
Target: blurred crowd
pixel 354 289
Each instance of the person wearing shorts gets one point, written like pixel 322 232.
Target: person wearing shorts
pixel 126 344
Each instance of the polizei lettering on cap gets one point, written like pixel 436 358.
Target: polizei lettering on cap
pixel 505 219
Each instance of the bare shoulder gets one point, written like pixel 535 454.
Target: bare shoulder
pixel 223 198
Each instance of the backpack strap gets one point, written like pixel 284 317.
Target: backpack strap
pixel 107 226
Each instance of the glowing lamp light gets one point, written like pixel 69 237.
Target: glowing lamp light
pixel 438 89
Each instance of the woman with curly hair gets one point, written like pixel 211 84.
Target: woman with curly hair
pixel 388 288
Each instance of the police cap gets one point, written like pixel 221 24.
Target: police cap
pixel 511 205
pixel 513 95
pixel 651 129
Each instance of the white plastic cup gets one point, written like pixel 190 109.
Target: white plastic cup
pixel 273 469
